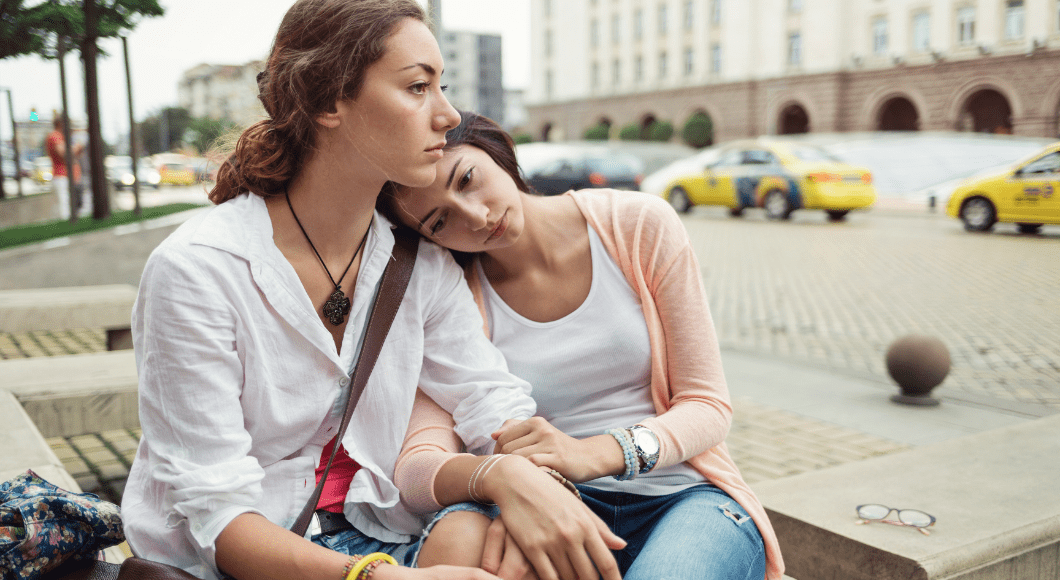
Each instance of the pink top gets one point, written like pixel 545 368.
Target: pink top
pixel 648 241
pixel 343 468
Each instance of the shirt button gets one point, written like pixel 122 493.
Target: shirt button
pixel 344 381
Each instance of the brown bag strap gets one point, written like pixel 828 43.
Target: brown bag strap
pixel 391 290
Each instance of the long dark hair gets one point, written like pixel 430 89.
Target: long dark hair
pixel 319 57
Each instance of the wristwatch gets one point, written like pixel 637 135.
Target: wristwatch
pixel 646 444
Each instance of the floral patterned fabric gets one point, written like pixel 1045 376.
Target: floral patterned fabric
pixel 42 526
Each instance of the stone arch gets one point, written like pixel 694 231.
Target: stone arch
pixel 776 108
pixel 793 119
pixel 869 118
pixel 898 114
pixel 960 99
pixel 986 111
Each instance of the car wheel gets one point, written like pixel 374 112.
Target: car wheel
pixel 777 206
pixel 837 215
pixel 735 211
pixel 679 200
pixel 978 214
pixel 1029 228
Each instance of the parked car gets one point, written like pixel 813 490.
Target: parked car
pixel 779 176
pixel 1026 193
pixel 173 173
pixel 555 168
pixel 120 173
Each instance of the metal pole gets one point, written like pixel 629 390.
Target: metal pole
pixel 14 142
pixel 3 190
pixel 132 129
pixel 68 154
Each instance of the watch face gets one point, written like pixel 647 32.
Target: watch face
pixel 646 442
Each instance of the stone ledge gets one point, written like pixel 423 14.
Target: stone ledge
pixel 108 306
pixel 994 495
pixel 75 394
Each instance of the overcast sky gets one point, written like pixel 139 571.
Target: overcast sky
pixel 216 32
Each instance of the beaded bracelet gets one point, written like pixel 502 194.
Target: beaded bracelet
pixel 350 564
pixel 366 574
pixel 566 482
pixel 632 463
pixel 356 573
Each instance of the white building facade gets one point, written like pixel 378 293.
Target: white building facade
pixel 474 73
pixel 742 59
pixel 227 92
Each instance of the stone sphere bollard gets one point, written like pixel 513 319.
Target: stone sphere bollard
pixel 918 364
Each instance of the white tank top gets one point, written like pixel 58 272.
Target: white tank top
pixel 591 369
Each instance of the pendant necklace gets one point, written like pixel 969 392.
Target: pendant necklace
pixel 338 305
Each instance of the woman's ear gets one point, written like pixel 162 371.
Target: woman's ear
pixel 331 119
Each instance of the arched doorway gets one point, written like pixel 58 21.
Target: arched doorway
pixel 546 132
pixel 793 120
pixel 986 111
pixel 898 114
pixel 645 126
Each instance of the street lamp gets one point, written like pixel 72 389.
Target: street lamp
pixel 14 143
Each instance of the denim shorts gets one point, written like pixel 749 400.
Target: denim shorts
pixel 353 541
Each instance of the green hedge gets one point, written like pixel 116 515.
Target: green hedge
pixel 41 231
pixel 698 130
pixel 660 131
pixel 598 132
pixel 630 132
pixel 520 138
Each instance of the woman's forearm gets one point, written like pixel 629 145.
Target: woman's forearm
pixel 253 548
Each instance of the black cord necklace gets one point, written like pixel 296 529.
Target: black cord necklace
pixel 338 305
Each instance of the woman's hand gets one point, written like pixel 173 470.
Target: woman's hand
pixel 578 460
pixel 560 536
pixel 388 572
pixel 502 556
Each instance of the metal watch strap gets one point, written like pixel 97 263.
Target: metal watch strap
pixel 396 278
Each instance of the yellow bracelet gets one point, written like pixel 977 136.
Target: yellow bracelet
pixel 367 560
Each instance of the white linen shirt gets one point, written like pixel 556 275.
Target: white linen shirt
pixel 241 386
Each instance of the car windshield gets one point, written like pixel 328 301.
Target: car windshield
pixel 812 154
pixel 617 167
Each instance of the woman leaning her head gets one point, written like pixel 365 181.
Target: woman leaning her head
pixel 320 55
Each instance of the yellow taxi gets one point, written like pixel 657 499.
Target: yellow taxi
pixel 1027 194
pixel 176 174
pixel 779 176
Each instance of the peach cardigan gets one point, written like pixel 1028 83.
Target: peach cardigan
pixel 648 241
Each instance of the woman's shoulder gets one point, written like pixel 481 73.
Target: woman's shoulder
pixel 628 212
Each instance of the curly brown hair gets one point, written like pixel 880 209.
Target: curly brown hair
pixel 319 57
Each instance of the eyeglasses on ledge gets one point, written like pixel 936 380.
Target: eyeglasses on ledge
pixel 874 512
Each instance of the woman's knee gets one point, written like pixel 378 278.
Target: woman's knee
pixel 457 540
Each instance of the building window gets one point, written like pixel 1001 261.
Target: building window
pixel 690 64
pixel 795 49
pixel 638 24
pixel 879 36
pixel 638 68
pixel 1013 19
pixel 616 29
pixel 794 5
pixel 966 25
pixel 594 75
pixel 548 43
pixel 616 72
pixel 690 14
pixel 921 32
pixel 548 84
pixel 594 33
pixel 715 12
pixel 715 58
pixel 662 19
pixel 548 8
pixel 662 64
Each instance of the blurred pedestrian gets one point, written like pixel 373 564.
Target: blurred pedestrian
pixel 55 145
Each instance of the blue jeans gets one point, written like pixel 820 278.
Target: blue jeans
pixel 697 534
pixel 353 541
